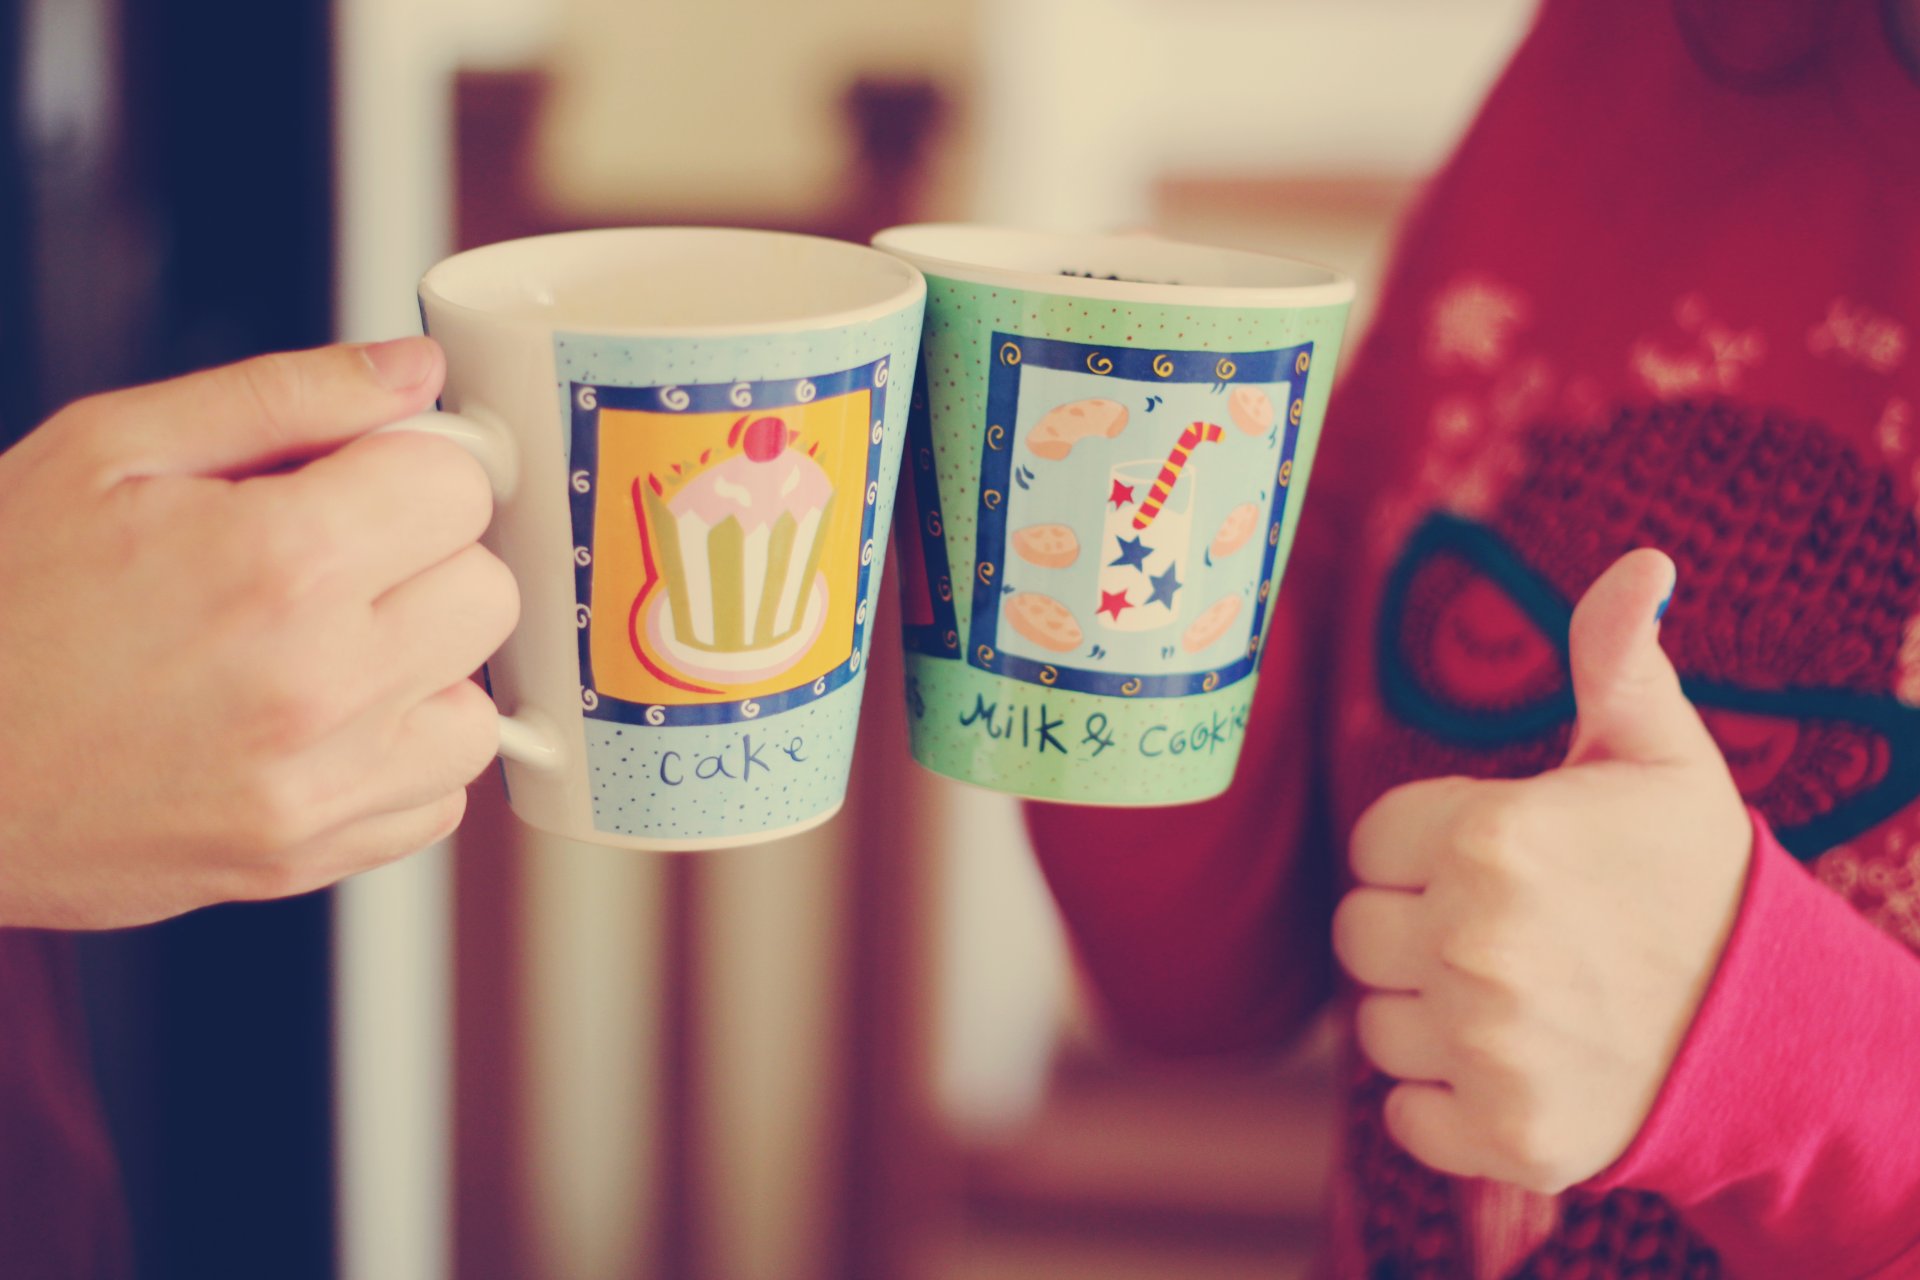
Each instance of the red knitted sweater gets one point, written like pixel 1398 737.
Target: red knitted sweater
pixel 1650 301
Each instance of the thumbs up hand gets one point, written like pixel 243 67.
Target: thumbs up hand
pixel 1535 950
pixel 235 631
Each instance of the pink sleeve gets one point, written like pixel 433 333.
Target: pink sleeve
pixel 1788 1131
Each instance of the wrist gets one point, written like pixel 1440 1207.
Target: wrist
pixel 1779 1129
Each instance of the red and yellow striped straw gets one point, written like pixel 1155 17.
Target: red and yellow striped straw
pixel 1190 439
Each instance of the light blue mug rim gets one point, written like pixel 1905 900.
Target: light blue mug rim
pixel 909 242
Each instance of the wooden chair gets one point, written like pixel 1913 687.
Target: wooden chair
pixel 872 1096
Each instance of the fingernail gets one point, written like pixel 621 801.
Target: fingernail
pixel 400 364
pixel 1665 600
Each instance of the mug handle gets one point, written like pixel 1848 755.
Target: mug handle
pixel 525 737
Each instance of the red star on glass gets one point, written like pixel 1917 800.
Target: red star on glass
pixel 1115 603
pixel 1121 496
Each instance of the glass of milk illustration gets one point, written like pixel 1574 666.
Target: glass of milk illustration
pixel 1146 537
pixel 1144 545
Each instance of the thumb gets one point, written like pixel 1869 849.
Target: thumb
pixel 1625 690
pixel 257 414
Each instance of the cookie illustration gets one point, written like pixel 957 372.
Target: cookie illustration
pixel 1211 624
pixel 1252 410
pixel 1235 530
pixel 1064 426
pixel 1045 621
pixel 1051 546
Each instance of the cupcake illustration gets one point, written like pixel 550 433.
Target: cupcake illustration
pixel 736 593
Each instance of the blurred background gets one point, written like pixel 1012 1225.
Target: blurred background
pixel 861 1053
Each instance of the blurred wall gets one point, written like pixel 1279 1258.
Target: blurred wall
pixel 732 106
pixel 393 65
pixel 1085 102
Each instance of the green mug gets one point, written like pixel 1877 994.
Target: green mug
pixel 1107 452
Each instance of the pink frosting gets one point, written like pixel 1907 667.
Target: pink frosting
pixel 755 493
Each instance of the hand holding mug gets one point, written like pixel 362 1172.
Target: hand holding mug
pixel 235 635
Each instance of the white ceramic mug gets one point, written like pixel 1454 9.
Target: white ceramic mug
pixel 693 436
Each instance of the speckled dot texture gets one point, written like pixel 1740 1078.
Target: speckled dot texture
pixel 693 784
pixel 1020 735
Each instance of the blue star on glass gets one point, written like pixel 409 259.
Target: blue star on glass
pixel 1133 551
pixel 1164 586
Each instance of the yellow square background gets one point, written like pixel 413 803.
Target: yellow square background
pixel 635 444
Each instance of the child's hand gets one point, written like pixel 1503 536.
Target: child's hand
pixel 1537 949
pixel 223 678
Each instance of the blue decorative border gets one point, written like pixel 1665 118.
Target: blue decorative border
pixel 1010 354
pixel 587 399
pixel 941 637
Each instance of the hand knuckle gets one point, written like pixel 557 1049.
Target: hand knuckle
pixel 295 548
pixel 290 714
pixel 437 820
pixel 448 814
pixel 427 825
pixel 1490 833
pixel 1526 1142
pixel 497 594
pixel 272 815
pixel 1491 1047
pixel 1480 948
pixel 439 476
pixel 475 732
pixel 462 483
